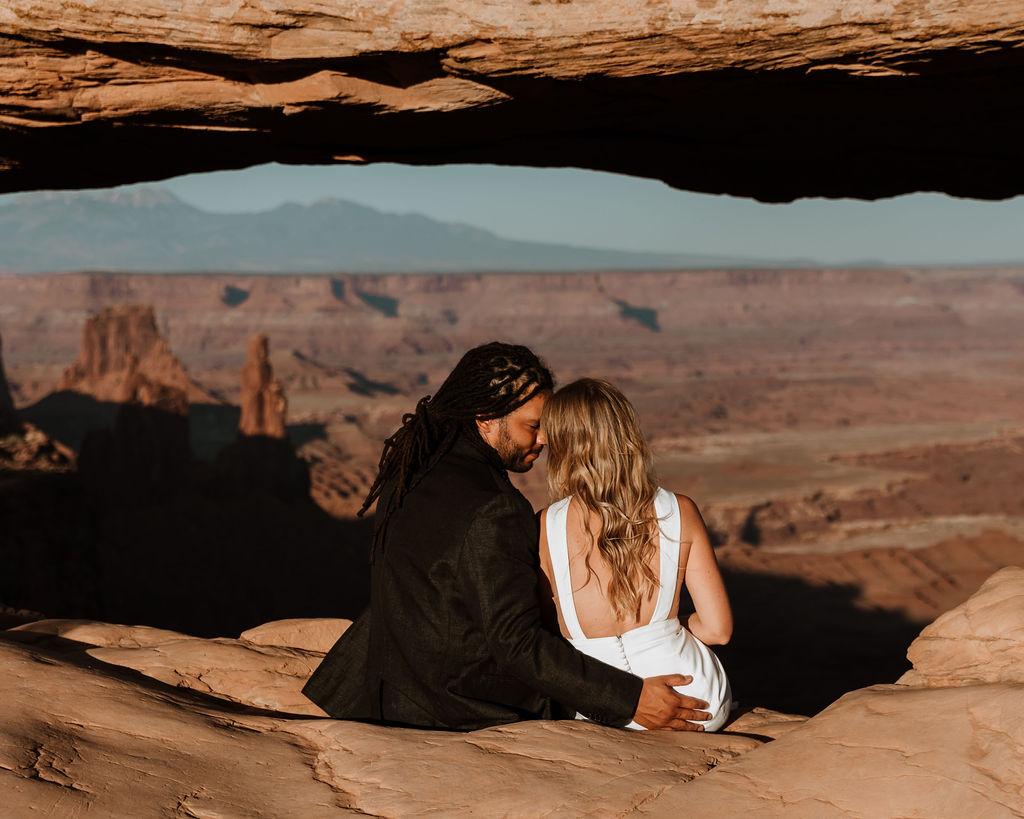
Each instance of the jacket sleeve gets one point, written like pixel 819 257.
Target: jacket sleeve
pixel 498 574
pixel 340 685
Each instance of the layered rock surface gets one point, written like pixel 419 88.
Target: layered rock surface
pixel 265 667
pixel 85 754
pixel 977 642
pixel 814 97
pixel 948 740
pixel 82 733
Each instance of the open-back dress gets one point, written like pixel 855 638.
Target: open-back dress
pixel 662 646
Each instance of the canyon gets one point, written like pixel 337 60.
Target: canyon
pixel 185 455
pixel 852 437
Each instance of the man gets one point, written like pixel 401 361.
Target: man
pixel 453 636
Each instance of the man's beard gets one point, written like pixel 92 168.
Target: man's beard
pixel 514 457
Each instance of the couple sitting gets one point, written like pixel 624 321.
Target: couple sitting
pixel 456 634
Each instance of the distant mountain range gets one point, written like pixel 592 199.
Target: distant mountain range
pixel 151 230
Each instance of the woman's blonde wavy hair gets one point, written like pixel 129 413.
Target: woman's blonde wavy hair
pixel 598 455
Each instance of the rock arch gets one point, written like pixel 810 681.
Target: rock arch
pixel 773 99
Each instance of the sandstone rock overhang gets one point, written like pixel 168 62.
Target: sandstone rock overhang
pixel 772 99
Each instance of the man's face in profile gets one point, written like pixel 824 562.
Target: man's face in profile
pixel 517 437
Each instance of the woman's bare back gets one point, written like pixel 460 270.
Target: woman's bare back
pixel 697 568
pixel 593 609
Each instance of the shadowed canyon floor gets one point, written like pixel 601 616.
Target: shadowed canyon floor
pixel 853 438
pixel 99 719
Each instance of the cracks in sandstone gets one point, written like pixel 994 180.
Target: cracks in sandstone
pixel 322 772
pixel 363 777
pixel 706 759
pixel 648 799
pixel 50 761
pixel 781 802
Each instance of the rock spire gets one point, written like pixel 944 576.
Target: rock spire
pixel 263 403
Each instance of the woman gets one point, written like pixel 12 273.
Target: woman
pixel 615 550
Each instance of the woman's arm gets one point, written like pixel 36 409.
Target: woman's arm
pixel 711 622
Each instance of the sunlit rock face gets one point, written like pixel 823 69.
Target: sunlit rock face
pixel 981 641
pixel 947 740
pixel 136 721
pixel 857 98
pixel 125 358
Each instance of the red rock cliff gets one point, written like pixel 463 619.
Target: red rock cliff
pixel 120 343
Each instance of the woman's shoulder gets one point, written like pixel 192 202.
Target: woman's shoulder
pixel 686 503
pixel 689 513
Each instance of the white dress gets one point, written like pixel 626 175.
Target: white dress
pixel 663 646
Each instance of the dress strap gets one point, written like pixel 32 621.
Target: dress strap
pixel 666 507
pixel 557 521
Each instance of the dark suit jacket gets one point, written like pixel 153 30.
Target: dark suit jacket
pixel 453 635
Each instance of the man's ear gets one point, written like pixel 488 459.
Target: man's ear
pixel 484 426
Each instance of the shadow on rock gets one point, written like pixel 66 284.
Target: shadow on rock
pixel 143 532
pixel 209 559
pixel 70 416
pixel 68 652
pixel 798 646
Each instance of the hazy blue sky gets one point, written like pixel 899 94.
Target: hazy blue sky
pixel 611 211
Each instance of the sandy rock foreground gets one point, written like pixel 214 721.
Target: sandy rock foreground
pixel 99 719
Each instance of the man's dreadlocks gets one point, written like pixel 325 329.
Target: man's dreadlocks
pixel 489 382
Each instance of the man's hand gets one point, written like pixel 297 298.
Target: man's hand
pixel 661 706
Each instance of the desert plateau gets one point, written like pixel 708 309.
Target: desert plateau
pixel 185 454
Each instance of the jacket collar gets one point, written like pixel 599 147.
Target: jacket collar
pixel 470 443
